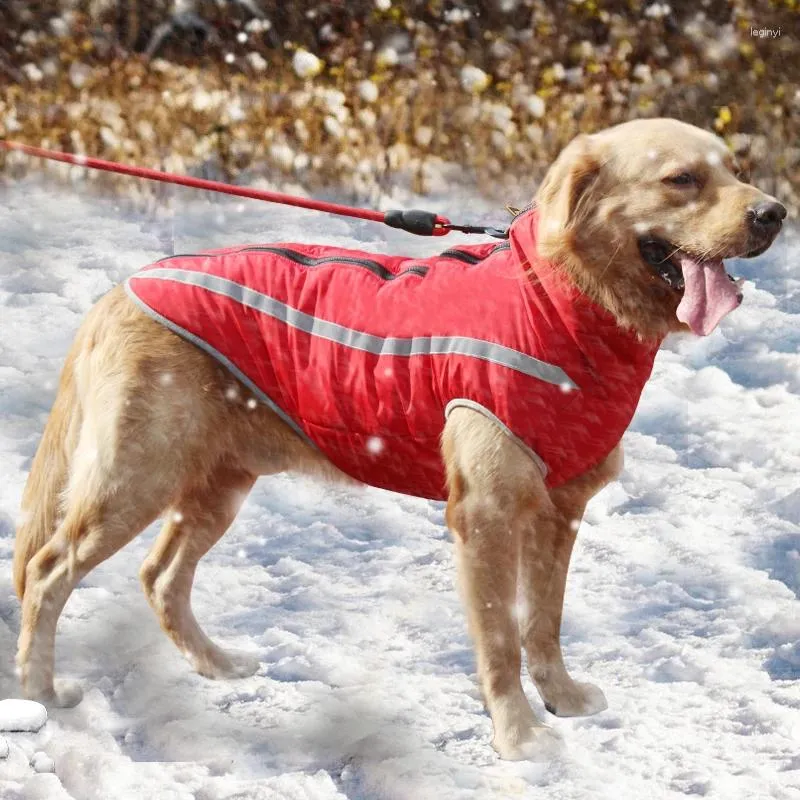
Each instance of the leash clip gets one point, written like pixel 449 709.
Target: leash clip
pixel 414 220
pixel 497 233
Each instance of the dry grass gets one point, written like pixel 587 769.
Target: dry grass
pixel 234 106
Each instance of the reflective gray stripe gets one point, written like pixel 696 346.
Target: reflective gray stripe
pixel 224 360
pixel 391 346
pixel 464 403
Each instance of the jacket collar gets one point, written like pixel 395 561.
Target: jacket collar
pixel 549 291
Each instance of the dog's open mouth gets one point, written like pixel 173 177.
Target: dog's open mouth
pixel 707 292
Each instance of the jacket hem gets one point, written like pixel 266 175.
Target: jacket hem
pixel 222 359
pixel 461 402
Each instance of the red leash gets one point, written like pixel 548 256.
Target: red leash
pixel 422 223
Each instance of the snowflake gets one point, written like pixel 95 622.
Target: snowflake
pixel 252 403
pixel 177 516
pixel 520 609
pixel 553 225
pixel 375 445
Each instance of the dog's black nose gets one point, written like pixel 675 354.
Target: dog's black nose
pixel 767 216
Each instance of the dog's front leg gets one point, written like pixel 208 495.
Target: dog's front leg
pixel 545 556
pixel 490 504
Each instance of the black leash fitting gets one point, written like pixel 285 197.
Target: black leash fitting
pixel 414 220
pixel 497 233
pixel 426 223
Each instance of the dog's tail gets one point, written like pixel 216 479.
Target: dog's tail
pixel 41 501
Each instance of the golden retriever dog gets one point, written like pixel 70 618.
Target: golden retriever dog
pixel 635 220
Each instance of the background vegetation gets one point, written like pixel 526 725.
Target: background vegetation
pixel 362 93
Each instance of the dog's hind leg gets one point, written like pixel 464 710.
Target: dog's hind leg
pixel 545 561
pixel 95 525
pixel 198 518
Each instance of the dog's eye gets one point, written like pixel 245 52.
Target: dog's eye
pixel 683 179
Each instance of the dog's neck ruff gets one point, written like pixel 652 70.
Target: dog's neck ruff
pixel 364 355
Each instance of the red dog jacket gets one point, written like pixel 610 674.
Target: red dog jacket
pixel 364 355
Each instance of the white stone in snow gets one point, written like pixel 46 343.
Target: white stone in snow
pixel 21 715
pixel 474 79
pixel 367 117
pixel 333 127
pixel 368 91
pixel 423 135
pixel 256 61
pixel 536 106
pixel 387 57
pixel 32 73
pixel 41 762
pixel 79 73
pixel 306 64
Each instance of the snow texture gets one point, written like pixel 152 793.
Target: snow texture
pixel 682 602
pixel 21 715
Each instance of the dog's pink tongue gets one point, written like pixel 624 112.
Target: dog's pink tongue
pixel 709 295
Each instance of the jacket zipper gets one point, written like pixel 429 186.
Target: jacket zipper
pixel 469 258
pixel 373 266
pixel 299 258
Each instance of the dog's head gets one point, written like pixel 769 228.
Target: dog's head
pixel 641 216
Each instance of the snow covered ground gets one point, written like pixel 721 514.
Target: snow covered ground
pixel 682 602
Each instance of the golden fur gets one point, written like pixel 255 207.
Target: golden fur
pixel 123 446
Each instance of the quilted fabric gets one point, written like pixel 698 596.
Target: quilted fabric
pixel 365 354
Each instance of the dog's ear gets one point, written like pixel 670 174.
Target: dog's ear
pixel 564 194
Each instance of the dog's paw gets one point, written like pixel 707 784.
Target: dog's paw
pixel 63 694
pixel 66 694
pixel 579 700
pixel 539 743
pixel 227 665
